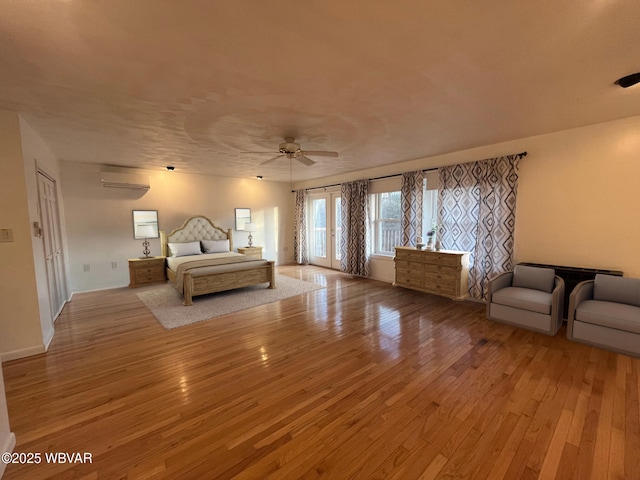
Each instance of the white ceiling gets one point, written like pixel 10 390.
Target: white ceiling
pixel 150 83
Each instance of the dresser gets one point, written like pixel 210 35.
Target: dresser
pixel 143 271
pixel 255 252
pixel 443 273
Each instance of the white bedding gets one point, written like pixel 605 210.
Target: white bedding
pixel 173 262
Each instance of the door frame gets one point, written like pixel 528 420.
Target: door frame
pixel 331 238
pixel 51 238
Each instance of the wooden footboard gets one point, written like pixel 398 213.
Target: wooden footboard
pixel 221 281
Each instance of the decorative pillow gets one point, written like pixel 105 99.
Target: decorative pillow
pixel 215 246
pixel 183 249
pixel 611 288
pixel 536 278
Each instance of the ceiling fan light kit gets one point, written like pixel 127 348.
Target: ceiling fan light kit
pixel 289 146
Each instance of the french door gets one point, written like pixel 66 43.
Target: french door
pixel 324 229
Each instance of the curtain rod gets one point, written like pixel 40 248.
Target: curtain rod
pixel 520 155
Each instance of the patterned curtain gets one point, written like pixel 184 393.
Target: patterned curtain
pixel 411 206
pixel 300 228
pixel 354 244
pixel 477 206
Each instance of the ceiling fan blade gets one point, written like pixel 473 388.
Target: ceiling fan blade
pixel 261 152
pixel 307 161
pixel 319 153
pixel 271 159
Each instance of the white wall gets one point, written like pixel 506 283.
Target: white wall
pixel 7 438
pixel 37 156
pixel 578 197
pixel 99 220
pixel 20 327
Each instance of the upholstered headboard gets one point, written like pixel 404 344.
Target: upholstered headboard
pixel 194 229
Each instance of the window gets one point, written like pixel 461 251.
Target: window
pixel 386 222
pixel 385 219
pixel 337 238
pixel 429 210
pixel 319 227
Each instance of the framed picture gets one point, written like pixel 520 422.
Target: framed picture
pixel 142 220
pixel 243 215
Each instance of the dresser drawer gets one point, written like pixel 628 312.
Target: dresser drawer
pixel 140 279
pixel 441 259
pixel 430 280
pixel 148 263
pixel 149 273
pixel 253 252
pixel 409 272
pixel 154 269
pixel 440 284
pixel 443 289
pixel 413 256
pixel 409 266
pixel 432 269
pixel 409 280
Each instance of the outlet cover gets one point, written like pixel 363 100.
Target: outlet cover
pixel 6 235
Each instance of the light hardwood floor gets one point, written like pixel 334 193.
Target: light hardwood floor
pixel 358 380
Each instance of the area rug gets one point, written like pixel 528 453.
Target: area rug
pixel 165 302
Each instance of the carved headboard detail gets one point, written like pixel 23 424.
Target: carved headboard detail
pixel 194 229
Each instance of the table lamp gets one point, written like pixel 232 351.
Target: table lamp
pixel 250 227
pixel 145 231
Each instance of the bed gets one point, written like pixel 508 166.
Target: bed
pixel 200 260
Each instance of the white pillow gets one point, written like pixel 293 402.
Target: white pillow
pixel 183 249
pixel 215 246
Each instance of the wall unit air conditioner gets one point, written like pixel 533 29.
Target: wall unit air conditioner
pixel 125 180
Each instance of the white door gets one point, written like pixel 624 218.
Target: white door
pixel 324 229
pixel 52 242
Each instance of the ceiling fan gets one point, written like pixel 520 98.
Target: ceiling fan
pixel 290 150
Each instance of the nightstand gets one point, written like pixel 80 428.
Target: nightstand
pixel 255 252
pixel 143 271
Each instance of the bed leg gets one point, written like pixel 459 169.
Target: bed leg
pixel 272 275
pixel 187 290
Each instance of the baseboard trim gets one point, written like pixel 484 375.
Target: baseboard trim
pixel 23 352
pixel 9 445
pixel 98 289
pixel 47 341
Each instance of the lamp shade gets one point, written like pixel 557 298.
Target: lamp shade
pixel 250 227
pixel 146 231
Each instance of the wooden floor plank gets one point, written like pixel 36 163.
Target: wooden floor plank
pixel 554 452
pixel 357 380
pixel 631 441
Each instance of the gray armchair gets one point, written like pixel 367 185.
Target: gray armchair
pixel 605 312
pixel 528 297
